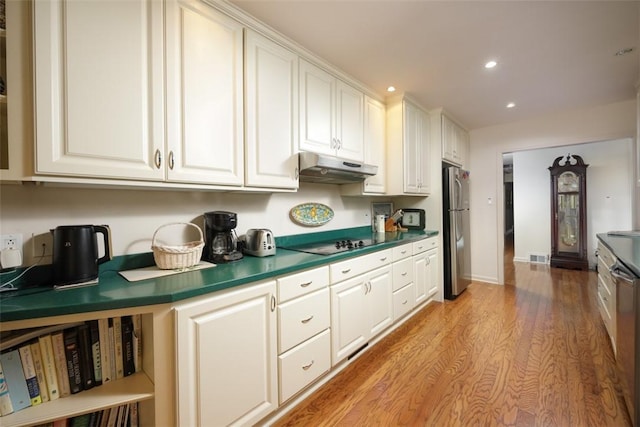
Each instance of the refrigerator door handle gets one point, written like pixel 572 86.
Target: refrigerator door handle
pixel 458 192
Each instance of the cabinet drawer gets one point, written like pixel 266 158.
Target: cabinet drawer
pixel 354 267
pixel 302 283
pixel 605 255
pixel 302 318
pixel 402 252
pixel 605 275
pixel 424 245
pixel 402 273
pixel 403 301
pixel 303 364
pixel 605 297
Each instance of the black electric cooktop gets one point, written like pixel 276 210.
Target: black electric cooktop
pixel 330 247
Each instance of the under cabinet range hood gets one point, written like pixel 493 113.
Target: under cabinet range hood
pixel 327 169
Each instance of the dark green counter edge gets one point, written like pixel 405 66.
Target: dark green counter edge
pixel 36 298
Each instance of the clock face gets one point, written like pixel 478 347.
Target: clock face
pixel 568 182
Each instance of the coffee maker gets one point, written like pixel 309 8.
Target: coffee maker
pixel 221 241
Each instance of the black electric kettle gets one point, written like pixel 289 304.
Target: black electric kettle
pixel 75 252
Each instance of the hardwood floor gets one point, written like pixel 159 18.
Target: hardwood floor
pixel 531 353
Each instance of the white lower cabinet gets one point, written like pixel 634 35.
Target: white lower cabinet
pixel 226 357
pixel 425 260
pixel 404 300
pixel 360 309
pixel 304 337
pixel 303 364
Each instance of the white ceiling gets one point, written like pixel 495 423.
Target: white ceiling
pixel 552 55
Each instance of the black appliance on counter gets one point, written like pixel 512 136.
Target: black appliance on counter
pixel 221 241
pixel 75 253
pixel 330 247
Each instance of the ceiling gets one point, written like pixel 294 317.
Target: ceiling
pixel 552 55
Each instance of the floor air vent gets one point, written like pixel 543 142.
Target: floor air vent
pixel 537 258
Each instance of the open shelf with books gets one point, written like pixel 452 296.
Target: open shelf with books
pixel 107 389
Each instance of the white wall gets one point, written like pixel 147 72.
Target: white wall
pixel 609 194
pixel 134 215
pixel 601 123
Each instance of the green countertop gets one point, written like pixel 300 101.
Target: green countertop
pixel 625 246
pixel 113 291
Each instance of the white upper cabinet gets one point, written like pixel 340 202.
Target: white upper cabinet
pixel 271 113
pixel 331 114
pixel 374 150
pixel 408 149
pixel 455 141
pixel 98 88
pixel 204 95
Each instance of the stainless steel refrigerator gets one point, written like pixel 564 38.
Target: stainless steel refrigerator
pixel 457 260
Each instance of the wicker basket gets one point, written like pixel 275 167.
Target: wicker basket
pixel 179 256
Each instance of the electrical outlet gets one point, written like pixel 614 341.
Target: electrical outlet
pixel 42 244
pixel 11 241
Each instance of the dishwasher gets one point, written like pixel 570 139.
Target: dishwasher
pixel 627 329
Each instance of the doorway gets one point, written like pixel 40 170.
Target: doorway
pixel 509 229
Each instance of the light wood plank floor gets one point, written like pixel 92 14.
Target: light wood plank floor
pixel 532 353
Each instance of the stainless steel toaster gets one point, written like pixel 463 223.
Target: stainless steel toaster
pixel 259 242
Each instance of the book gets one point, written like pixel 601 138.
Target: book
pixel 112 350
pixel 72 354
pixel 128 352
pixel 60 356
pixel 39 367
pixel 63 422
pixel 14 376
pixel 113 417
pixel 49 365
pixel 105 417
pixel 5 400
pixel 30 374
pixel 105 354
pixel 137 341
pixel 117 345
pixel 86 360
pixel 13 339
pixel 96 357
pixel 80 420
pixel 133 415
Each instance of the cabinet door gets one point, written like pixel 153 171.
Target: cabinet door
pixel 432 275
pixel 374 144
pixel 317 119
pixel 349 122
pixel 226 358
pixel 349 318
pixel 379 300
pixel 99 88
pixel 448 136
pixel 271 77
pixel 423 153
pixel 421 276
pixel 410 147
pixel 204 95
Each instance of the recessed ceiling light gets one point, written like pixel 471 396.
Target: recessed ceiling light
pixel 624 51
pixel 511 105
pixel 391 89
pixel 490 64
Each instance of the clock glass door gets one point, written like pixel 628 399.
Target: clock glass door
pixel 568 213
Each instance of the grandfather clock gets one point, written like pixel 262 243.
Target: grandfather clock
pixel 569 213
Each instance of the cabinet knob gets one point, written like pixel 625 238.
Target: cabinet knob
pixel 158 159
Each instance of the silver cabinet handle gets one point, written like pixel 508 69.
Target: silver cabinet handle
pixel 273 303
pixel 171 160
pixel 346 271
pixel 383 259
pixel 428 261
pixel 304 285
pixel 403 274
pixel 307 320
pixel 403 252
pixel 158 159
pixel 306 367
pixel 405 301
